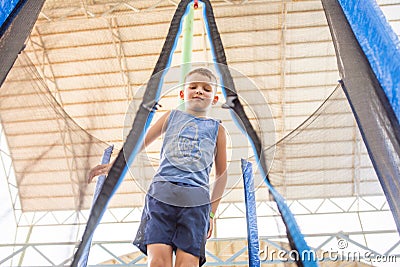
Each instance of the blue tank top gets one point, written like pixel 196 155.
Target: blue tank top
pixel 186 159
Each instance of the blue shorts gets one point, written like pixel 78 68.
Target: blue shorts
pixel 183 228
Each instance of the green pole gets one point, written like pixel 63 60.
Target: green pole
pixel 187 45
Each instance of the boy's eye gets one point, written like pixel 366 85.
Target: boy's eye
pixel 207 88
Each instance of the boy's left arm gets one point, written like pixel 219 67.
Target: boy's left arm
pixel 220 174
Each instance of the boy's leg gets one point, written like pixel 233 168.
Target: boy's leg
pixel 159 255
pixel 184 259
pixel 191 236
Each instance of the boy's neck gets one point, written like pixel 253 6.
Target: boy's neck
pixel 197 114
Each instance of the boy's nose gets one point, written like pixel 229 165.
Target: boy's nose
pixel 199 92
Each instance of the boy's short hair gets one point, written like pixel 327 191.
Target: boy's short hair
pixel 206 72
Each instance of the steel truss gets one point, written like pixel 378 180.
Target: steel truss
pixel 265 209
pixel 231 251
pixel 332 248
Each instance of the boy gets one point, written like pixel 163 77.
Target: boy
pixel 178 215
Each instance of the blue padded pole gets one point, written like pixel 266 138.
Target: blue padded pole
pixel 380 44
pixel 6 7
pixel 99 184
pixel 251 214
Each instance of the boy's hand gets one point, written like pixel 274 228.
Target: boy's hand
pixel 101 169
pixel 210 230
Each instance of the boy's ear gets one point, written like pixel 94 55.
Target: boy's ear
pixel 215 100
pixel 181 95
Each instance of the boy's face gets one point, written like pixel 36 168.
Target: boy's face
pixel 199 93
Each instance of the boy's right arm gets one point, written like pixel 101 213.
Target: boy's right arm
pixel 152 134
pixel 156 130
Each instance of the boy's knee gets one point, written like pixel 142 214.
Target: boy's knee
pixel 157 262
pixel 159 255
pixel 184 259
